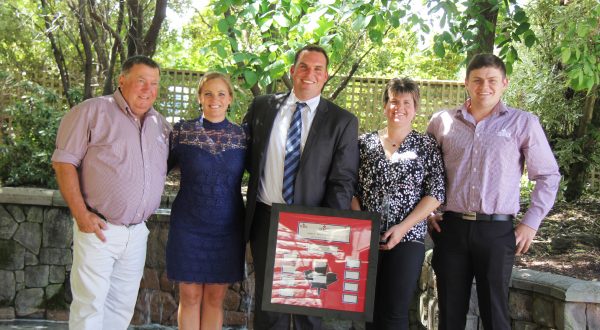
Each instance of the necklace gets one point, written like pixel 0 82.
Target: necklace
pixel 385 136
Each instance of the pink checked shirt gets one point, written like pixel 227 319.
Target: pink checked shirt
pixel 122 164
pixel 484 162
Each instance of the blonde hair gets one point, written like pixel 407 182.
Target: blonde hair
pixel 215 75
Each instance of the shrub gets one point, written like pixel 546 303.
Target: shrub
pixel 29 126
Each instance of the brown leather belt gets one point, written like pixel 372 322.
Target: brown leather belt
pixel 474 216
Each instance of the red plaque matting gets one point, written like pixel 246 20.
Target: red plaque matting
pixel 323 262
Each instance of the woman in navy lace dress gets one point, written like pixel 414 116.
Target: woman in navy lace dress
pixel 401 176
pixel 205 250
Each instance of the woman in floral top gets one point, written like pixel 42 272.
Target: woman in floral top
pixel 401 176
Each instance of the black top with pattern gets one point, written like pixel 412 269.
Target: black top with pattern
pixel 414 171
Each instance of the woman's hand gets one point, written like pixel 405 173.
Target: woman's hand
pixel 394 235
pixel 355 204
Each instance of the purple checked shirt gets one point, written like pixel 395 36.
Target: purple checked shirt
pixel 122 163
pixel 484 162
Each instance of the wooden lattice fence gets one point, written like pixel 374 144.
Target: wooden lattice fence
pixel 362 96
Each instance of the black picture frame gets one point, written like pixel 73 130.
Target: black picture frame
pixel 332 215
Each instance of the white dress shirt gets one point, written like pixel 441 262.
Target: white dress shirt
pixel 271 181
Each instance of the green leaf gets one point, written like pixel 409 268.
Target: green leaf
pixel 520 16
pixel 565 54
pixel 438 49
pixel 223 26
pixel 281 20
pixel 522 28
pixel 530 39
pixel 375 35
pixel 250 77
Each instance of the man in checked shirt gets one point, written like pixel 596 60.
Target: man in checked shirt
pixel 485 145
pixel 111 162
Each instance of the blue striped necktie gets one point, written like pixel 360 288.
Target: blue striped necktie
pixel 292 154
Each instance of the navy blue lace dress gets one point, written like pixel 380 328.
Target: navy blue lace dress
pixel 205 239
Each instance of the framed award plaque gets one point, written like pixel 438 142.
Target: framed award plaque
pixel 323 262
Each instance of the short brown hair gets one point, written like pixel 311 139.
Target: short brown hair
pixel 312 48
pixel 400 86
pixel 485 61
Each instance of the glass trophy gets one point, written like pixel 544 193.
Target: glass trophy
pixel 385 217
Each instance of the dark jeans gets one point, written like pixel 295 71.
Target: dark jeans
pixel 465 249
pixel 398 271
pixel 258 244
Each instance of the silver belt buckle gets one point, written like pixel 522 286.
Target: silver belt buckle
pixel 469 216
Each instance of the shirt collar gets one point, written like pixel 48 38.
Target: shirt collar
pixel 499 109
pixel 311 103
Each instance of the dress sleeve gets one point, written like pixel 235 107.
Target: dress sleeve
pixel 434 184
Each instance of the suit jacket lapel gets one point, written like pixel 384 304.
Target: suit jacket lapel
pixel 315 128
pixel 269 114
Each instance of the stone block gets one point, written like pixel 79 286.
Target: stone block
pixel 7 288
pixel 20 276
pixel 232 300
pixel 543 311
pixel 569 315
pixel 8 225
pixel 57 315
pixel 524 325
pixel 150 279
pixel 12 255
pixel 157 242
pixel 593 316
pixel 31 259
pixel 7 313
pixel 520 305
pixel 17 212
pixel 57 274
pixel 30 236
pixel 36 276
pixel 35 214
pixel 55 256
pixel 166 285
pixel 57 229
pixel 52 290
pixel 163 305
pixel 29 196
pixel 236 319
pixel 29 301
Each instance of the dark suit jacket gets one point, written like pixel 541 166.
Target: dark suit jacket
pixel 328 169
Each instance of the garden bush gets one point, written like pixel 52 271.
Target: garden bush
pixel 28 131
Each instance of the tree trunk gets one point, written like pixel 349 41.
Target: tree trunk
pixel 160 13
pixel 486 28
pixel 579 171
pixel 58 54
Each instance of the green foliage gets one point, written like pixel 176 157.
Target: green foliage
pixel 465 23
pixel 257 39
pixel 546 84
pixel 580 49
pixel 28 137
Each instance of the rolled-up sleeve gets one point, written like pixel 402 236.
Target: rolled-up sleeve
pixel 73 137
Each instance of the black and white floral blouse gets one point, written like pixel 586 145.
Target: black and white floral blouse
pixel 414 171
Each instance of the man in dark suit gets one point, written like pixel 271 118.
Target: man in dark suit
pixel 326 173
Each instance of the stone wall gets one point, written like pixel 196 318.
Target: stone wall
pixel 36 234
pixel 35 261
pixel 537 300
